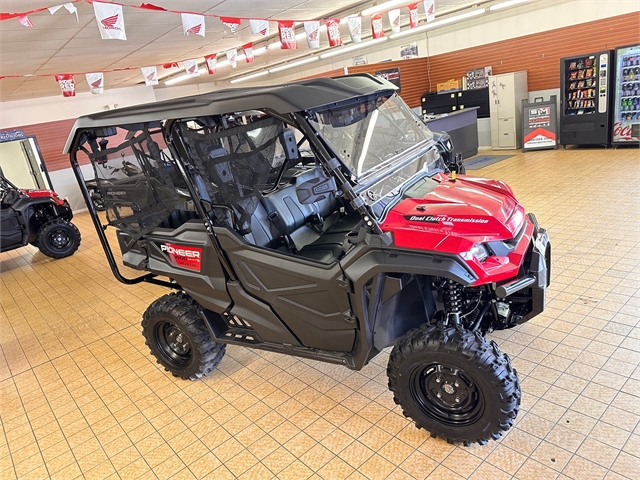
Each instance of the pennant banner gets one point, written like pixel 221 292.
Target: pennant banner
pixel 259 27
pixel 231 22
pixel 287 32
pixel 355 29
pixel 70 7
pixel 232 57
pixel 150 75
pixel 211 61
pixel 394 20
pixel 430 9
pixel 169 65
pixel 110 21
pixel 248 52
pixel 96 82
pixel 67 85
pixel 312 29
pixel 24 20
pixel 191 67
pixel 192 24
pixel 333 32
pixel 413 15
pixel 377 30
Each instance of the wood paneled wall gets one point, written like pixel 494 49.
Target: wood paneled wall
pixel 539 54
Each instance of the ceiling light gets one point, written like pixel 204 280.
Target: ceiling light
pixel 384 6
pixel 439 23
pixel 184 77
pixel 259 51
pixel 506 4
pixel 249 77
pixel 340 50
pixel 274 45
pixel 294 64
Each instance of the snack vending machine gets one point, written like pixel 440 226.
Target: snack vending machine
pixel 585 93
pixel 626 107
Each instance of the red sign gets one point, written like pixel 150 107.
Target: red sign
pixel 377 30
pixel 413 15
pixel 182 256
pixel 248 52
pixel 287 32
pixel 67 85
pixel 333 32
pixel 623 133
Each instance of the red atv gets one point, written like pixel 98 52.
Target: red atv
pixel 37 217
pixel 318 219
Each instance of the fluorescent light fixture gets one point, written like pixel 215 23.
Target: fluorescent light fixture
pixel 259 50
pixel 184 77
pixel 274 45
pixel 294 64
pixel 249 77
pixel 506 4
pixel 341 50
pixel 439 23
pixel 384 6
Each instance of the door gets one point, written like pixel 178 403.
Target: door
pixel 15 165
pixel 10 230
pixel 506 96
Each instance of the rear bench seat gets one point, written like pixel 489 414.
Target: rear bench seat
pixel 296 218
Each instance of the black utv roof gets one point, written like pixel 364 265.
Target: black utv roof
pixel 292 97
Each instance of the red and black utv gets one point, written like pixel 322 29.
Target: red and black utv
pixel 317 219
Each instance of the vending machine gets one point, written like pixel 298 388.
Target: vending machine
pixel 626 107
pixel 585 98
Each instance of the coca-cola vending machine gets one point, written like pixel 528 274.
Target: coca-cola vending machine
pixel 585 99
pixel 626 108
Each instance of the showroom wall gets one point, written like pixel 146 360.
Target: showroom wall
pixel 531 36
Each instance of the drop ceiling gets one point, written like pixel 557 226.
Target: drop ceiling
pixel 58 44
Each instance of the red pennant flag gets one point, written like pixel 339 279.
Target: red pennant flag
pixel 67 85
pixel 287 32
pixel 166 66
pixel 248 52
pixel 211 61
pixel 413 15
pixel 231 22
pixel 151 6
pixel 24 20
pixel 333 32
pixel 377 30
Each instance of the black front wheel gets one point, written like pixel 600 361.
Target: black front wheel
pixel 178 338
pixel 58 238
pixel 454 384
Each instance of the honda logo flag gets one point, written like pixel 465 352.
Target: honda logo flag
pixel 355 29
pixel 192 24
pixel 287 32
pixel 377 31
pixel 333 32
pixel 110 21
pixel 191 67
pixel 232 57
pixel 150 75
pixel 95 81
pixel 394 20
pixel 259 27
pixel 312 29
pixel 211 61
pixel 248 52
pixel 67 85
pixel 232 23
pixel 413 15
pixel 430 9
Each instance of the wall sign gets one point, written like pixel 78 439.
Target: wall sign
pixel 12 135
pixel 539 124
pixel 392 75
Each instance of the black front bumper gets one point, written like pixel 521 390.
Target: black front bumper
pixel 537 265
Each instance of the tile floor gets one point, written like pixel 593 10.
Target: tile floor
pixel 80 397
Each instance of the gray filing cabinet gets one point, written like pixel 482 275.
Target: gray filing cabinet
pixel 506 93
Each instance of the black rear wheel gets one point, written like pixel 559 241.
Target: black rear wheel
pixel 178 338
pixel 454 384
pixel 58 238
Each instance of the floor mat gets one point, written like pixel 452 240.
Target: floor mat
pixel 481 161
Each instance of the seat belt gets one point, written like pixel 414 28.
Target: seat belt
pixel 277 222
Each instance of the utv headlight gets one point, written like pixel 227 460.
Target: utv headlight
pixel 480 252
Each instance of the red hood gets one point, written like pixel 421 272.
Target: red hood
pixel 33 193
pixel 467 210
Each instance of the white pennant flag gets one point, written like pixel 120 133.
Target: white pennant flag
pixel 430 9
pixel 312 29
pixel 394 19
pixel 96 82
pixel 232 57
pixel 355 29
pixel 150 75
pixel 110 21
pixel 259 27
pixel 70 7
pixel 191 67
pixel 192 24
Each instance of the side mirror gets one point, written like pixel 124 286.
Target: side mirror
pixel 316 189
pixel 289 144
